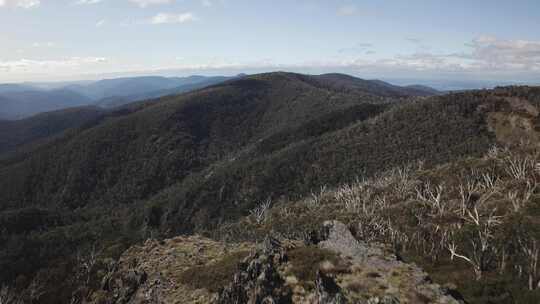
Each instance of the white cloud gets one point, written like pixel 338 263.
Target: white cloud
pixel 487 58
pixel 165 18
pixel 357 48
pixel 101 23
pixel 206 3
pixel 348 10
pixel 486 55
pixel 20 3
pixel 145 3
pixel 414 40
pixel 83 2
pixel 43 44
pixel 494 53
pixel 44 66
pixel 484 58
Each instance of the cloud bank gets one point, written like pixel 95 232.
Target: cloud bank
pixel 486 58
pixel 45 66
pixel 20 3
pixel 166 18
pixel 145 3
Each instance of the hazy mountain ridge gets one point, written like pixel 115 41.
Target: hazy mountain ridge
pixel 131 86
pixel 12 88
pixel 426 89
pixel 19 101
pixel 21 104
pixel 194 83
pixel 23 100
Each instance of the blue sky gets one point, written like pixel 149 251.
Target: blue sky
pixel 86 39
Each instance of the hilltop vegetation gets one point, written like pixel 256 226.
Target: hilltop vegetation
pixel 201 161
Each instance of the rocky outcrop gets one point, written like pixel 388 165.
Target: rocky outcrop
pixel 337 237
pixel 334 269
pixel 258 279
pixel 156 271
pixel 357 273
pixel 383 278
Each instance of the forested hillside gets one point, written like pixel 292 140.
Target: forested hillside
pixel 193 162
pixel 134 156
pixel 18 133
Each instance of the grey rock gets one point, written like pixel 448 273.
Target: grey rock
pixel 337 237
pixel 126 285
pixel 258 281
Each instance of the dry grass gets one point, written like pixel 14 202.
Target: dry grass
pixel 306 261
pixel 213 276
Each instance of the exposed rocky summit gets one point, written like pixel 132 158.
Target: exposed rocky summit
pixel 177 270
pixel 334 269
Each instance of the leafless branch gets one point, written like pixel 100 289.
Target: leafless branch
pixel 259 213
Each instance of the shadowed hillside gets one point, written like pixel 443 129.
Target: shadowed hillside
pixel 176 137
pixel 17 133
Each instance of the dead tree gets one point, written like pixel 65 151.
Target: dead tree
pixel 519 200
pixel 530 250
pixel 432 199
pixel 482 250
pixel 317 197
pixel 9 296
pixel 36 288
pixel 86 264
pixel 260 212
pixel 519 168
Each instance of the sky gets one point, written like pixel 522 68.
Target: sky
pixel 53 40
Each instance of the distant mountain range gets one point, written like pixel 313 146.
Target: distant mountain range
pixel 126 95
pixel 18 101
pixel 376 87
pixel 21 104
pixel 29 113
pixel 452 85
